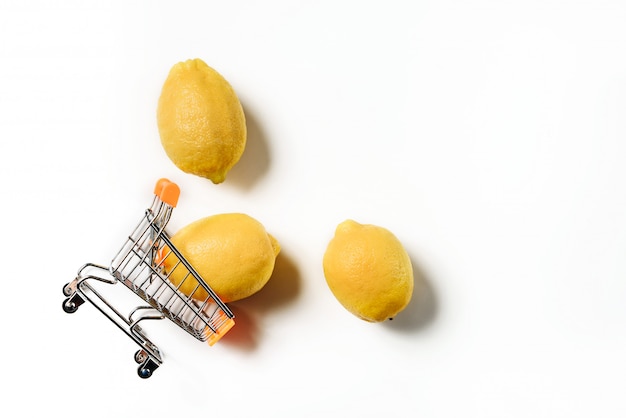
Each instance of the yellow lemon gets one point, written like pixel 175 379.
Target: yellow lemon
pixel 232 252
pixel 368 271
pixel 200 120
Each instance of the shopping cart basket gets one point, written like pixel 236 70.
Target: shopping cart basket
pixel 144 265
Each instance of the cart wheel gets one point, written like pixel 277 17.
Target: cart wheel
pixel 67 291
pixel 69 306
pixel 143 372
pixel 147 367
pixel 140 356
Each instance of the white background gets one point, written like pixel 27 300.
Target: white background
pixel 489 136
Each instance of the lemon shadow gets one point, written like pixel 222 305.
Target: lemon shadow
pixel 423 308
pixel 282 289
pixel 255 160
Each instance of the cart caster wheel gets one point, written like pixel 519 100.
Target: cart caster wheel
pixel 69 306
pixel 147 368
pixel 144 373
pixel 67 290
pixel 140 356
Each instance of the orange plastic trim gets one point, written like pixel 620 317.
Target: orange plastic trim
pixel 167 191
pixel 215 337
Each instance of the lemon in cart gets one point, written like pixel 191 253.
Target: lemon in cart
pixel 201 121
pixel 232 252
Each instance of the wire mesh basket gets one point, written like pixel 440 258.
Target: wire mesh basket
pixel 150 266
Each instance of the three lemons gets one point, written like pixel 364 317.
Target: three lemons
pixel 232 252
pixel 201 121
pixel 368 271
pixel 203 131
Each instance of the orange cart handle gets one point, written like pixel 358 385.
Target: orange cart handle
pixel 167 191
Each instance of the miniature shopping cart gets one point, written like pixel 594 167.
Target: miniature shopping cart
pixel 147 264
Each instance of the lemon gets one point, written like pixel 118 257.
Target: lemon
pixel 232 252
pixel 200 120
pixel 368 271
